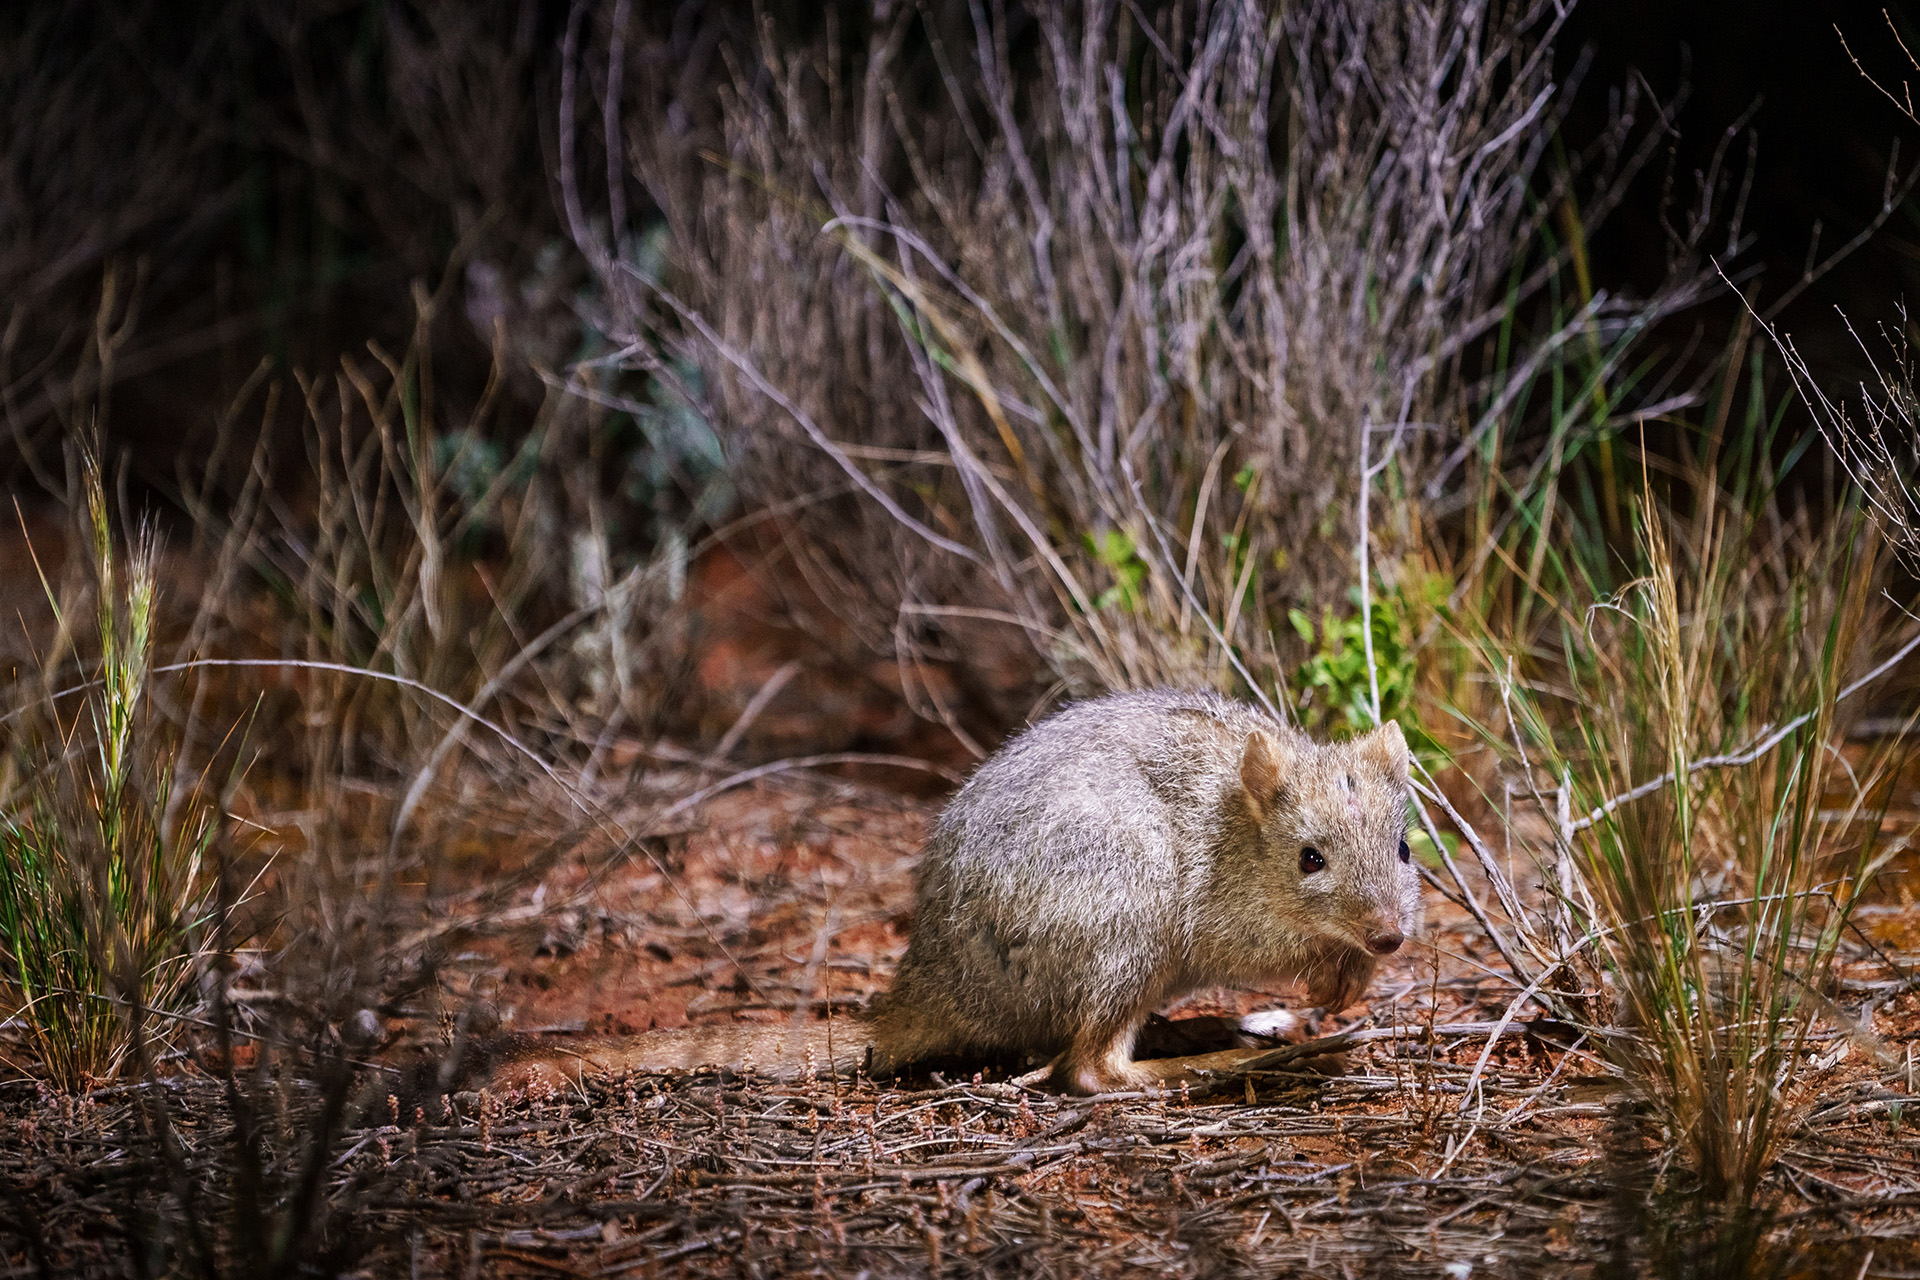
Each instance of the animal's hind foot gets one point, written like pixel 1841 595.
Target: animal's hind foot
pixel 1085 1078
pixel 1101 1061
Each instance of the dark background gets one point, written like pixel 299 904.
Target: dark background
pixel 280 175
pixel 1824 134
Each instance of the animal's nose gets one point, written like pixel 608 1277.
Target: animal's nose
pixel 1384 943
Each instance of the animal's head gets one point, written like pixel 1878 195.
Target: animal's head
pixel 1332 823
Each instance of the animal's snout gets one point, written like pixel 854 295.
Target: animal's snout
pixel 1384 942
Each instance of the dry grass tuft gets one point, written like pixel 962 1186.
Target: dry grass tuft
pixel 106 894
pixel 1701 833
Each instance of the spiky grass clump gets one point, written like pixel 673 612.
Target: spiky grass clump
pixel 1701 750
pixel 102 899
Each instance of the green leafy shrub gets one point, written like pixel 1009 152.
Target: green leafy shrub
pixel 1332 689
pixel 1115 551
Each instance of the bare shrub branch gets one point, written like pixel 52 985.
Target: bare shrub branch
pixel 1173 251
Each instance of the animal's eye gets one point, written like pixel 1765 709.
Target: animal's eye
pixel 1406 854
pixel 1311 861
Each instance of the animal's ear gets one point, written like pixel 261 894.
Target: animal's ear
pixel 1260 772
pixel 1388 745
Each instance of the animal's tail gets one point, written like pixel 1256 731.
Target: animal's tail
pixel 840 1046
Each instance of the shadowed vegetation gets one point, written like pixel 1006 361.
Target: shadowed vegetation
pixel 615 454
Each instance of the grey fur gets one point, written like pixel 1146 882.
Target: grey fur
pixel 1135 848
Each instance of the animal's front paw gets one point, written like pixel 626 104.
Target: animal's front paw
pixel 1272 1024
pixel 1340 979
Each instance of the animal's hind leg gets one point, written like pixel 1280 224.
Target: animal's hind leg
pixel 1100 1060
